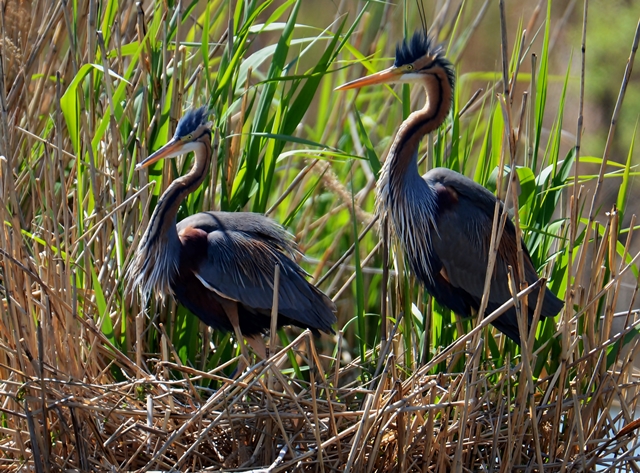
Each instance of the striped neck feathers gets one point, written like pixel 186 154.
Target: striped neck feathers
pixel 402 194
pixel 157 256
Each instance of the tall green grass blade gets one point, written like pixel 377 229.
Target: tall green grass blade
pixel 262 116
pixel 287 221
pixel 613 351
pixel 374 161
pixel 291 356
pixel 101 306
pixel 186 334
pixel 359 290
pixel 293 114
pixel 204 46
pixel 108 17
pixel 623 191
pixel 541 89
pixel 71 108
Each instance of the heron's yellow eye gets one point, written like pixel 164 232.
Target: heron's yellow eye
pixel 408 67
pixel 188 137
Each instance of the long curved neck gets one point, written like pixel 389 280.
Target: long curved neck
pixel 157 258
pixel 163 219
pixel 403 197
pixel 402 162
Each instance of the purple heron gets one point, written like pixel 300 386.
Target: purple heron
pixel 443 219
pixel 221 265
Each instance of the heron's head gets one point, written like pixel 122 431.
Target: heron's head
pixel 193 127
pixel 416 58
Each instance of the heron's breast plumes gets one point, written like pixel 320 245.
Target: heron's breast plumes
pixel 154 267
pixel 410 207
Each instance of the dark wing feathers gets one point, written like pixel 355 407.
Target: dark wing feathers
pixel 242 252
pixel 247 222
pixel 464 252
pixel 462 245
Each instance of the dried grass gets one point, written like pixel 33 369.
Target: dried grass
pixel 489 419
pixel 62 408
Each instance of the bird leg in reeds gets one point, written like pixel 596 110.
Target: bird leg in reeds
pixel 256 343
pixel 231 309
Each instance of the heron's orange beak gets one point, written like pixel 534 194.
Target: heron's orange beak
pixel 391 74
pixel 171 149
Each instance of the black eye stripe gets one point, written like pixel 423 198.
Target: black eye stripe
pixel 428 66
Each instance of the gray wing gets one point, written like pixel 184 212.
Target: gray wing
pixel 464 235
pixel 242 251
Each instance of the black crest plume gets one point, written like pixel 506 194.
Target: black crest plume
pixel 419 45
pixel 192 120
pixel 413 48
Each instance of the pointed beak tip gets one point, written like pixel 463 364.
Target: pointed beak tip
pixel 345 86
pixel 171 149
pixel 354 84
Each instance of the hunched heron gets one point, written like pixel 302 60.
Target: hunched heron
pixel 221 265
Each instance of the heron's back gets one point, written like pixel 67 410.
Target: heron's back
pixel 233 256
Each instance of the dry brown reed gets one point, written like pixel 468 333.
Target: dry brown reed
pixel 62 407
pixel 492 419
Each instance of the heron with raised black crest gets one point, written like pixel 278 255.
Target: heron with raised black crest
pixel 443 220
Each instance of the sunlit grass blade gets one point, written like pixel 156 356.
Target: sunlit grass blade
pixel 623 193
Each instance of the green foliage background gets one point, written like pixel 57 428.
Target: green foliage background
pixel 292 147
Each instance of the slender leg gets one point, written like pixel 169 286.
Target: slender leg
pixel 231 309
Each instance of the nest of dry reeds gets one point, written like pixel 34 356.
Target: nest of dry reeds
pixel 164 418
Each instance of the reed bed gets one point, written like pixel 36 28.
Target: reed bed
pixel 94 379
pixel 483 419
